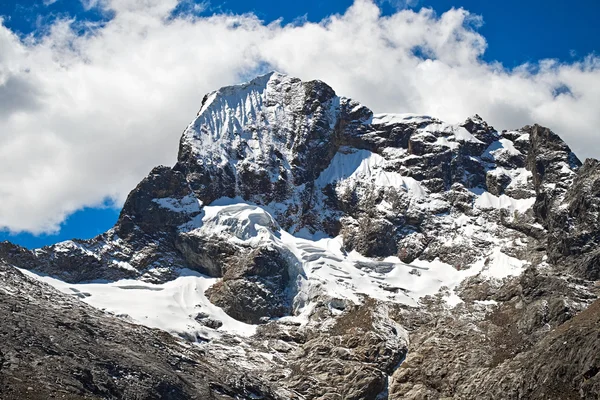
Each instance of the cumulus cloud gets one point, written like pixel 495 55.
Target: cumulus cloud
pixel 84 117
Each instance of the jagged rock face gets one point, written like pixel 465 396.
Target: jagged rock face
pixel 350 358
pixel 574 226
pixel 157 203
pixel 553 166
pixel 263 140
pixel 435 171
pixel 345 241
pixel 531 338
pixel 71 261
pixel 254 287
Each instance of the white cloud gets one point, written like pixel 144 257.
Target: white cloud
pixel 399 4
pixel 84 118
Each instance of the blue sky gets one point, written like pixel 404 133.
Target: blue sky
pixel 516 32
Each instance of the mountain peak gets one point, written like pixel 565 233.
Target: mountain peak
pixel 261 131
pixel 239 92
pixel 296 222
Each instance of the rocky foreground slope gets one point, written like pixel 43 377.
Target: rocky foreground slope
pixel 55 346
pixel 319 250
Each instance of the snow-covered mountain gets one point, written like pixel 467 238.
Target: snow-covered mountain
pixel 329 252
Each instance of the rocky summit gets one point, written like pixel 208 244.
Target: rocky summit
pixel 303 247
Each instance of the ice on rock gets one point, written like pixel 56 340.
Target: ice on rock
pixel 188 204
pixel 172 306
pixel 389 119
pixel 367 167
pixel 488 201
pixel 242 221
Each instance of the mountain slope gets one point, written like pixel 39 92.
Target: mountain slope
pixel 300 232
pixel 53 345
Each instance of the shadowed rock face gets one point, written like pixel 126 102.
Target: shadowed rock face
pixel 300 160
pixel 574 227
pixel 142 212
pixel 254 287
